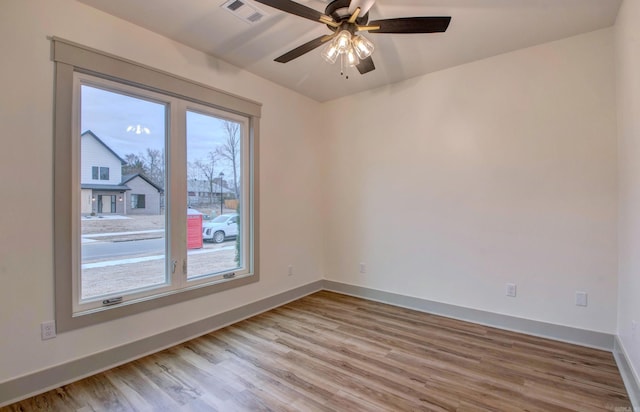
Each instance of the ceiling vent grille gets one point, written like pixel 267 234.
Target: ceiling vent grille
pixel 245 11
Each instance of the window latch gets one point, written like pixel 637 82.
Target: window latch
pixel 173 266
pixel 228 275
pixel 112 301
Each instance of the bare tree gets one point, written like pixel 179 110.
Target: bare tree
pixel 150 164
pixel 135 164
pixel 207 167
pixel 194 176
pixel 230 150
pixel 155 166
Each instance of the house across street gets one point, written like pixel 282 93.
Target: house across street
pixel 105 190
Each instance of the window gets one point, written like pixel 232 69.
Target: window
pixel 197 134
pixel 137 202
pixel 99 173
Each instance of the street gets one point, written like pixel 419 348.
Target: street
pixel 144 247
pixel 102 250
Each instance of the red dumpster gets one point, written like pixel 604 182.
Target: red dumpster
pixel 194 229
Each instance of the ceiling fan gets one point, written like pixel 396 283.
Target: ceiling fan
pixel 347 19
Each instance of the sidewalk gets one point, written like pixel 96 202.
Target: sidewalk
pixel 122 275
pixel 121 236
pixel 141 259
pixel 135 232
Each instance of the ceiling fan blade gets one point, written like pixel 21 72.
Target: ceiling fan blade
pixel 300 50
pixel 364 5
pixel 411 25
pixel 366 65
pixel 292 7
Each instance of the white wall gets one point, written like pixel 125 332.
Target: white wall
pixel 289 170
pixel 502 170
pixel 627 41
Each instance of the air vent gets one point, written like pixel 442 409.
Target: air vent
pixel 235 5
pixel 244 10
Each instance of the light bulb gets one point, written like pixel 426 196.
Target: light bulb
pixel 352 57
pixel 330 53
pixel 363 46
pixel 343 41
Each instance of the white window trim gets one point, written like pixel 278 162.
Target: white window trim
pixel 70 58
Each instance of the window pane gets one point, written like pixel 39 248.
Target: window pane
pixel 137 201
pixel 123 234
pixel 214 174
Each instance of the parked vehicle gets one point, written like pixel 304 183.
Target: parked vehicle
pixel 220 228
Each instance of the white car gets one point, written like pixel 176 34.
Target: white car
pixel 220 228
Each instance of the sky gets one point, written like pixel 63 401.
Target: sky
pixel 108 115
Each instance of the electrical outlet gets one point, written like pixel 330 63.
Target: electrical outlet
pixel 48 330
pixel 363 268
pixel 511 290
pixel 581 298
pixel 290 271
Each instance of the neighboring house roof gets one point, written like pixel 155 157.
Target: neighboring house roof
pixel 90 133
pixel 127 178
pixel 98 186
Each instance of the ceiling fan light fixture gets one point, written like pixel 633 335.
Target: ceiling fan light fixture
pixel 346 19
pixel 331 53
pixel 343 41
pixel 138 129
pixel 363 46
pixel 352 57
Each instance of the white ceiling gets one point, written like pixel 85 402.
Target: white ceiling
pixel 478 29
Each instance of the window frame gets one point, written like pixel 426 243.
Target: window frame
pixel 70 58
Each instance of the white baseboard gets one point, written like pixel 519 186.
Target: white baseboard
pixel 568 334
pixel 631 381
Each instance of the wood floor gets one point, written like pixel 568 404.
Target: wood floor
pixel 330 352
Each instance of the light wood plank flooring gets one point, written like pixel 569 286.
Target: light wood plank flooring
pixel 330 352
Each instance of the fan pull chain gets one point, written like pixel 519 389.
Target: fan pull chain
pixel 343 68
